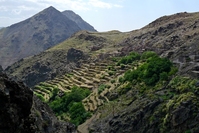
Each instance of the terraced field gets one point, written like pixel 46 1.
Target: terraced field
pixel 99 77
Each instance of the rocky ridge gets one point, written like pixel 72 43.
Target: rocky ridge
pixel 78 20
pixel 22 111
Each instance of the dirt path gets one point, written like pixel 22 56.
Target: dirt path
pixel 83 128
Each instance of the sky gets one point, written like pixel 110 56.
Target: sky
pixel 103 15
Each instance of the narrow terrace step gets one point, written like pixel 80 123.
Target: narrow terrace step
pixel 54 82
pixel 102 95
pixel 95 80
pixel 104 73
pixel 45 96
pixel 86 106
pixel 100 67
pixel 76 72
pixel 77 76
pixel 42 89
pixel 62 89
pixel 76 81
pixel 82 72
pixel 86 65
pixel 94 71
pixel 101 64
pixel 40 92
pixel 90 107
pixel 63 81
pixel 84 69
pixel 75 84
pixel 92 100
pixel 103 80
pixel 99 102
pixel 86 86
pixel 88 77
pixel 86 81
pixel 89 74
pixel 107 78
pixel 68 79
pixel 89 83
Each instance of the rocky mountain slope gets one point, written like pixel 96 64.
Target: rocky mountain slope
pixel 36 34
pixel 122 100
pixel 23 112
pixel 172 36
pixel 78 20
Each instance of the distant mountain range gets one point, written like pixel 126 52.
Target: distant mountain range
pixel 38 33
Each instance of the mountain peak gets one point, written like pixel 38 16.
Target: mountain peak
pixel 50 8
pixel 34 35
pixel 78 20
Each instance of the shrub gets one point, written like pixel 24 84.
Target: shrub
pixel 113 81
pixel 163 76
pixel 121 79
pixel 129 58
pixel 77 113
pixel 150 72
pixel 69 102
pixel 122 66
pixel 148 54
pixel 101 88
pixel 110 73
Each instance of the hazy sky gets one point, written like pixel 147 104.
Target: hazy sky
pixel 104 15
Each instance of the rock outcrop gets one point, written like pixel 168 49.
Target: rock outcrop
pixel 146 115
pixel 75 55
pixel 22 112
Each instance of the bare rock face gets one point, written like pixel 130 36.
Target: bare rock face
pixel 16 102
pixel 1 69
pixel 75 55
pixel 22 112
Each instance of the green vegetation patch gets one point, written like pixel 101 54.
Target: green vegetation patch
pixel 101 88
pixel 150 72
pixel 70 105
pixel 129 58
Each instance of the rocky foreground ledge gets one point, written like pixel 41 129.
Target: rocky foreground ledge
pixel 22 112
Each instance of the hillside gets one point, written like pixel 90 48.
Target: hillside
pixel 140 81
pixel 176 39
pixel 78 20
pixel 58 60
pixel 34 35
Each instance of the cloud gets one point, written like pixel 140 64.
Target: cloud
pixel 77 4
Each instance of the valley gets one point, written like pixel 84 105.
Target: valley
pixel 140 81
